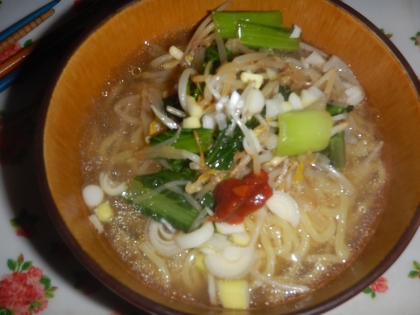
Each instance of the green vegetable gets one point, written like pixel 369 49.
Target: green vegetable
pixel 173 101
pixel 208 200
pixel 226 22
pixel 263 29
pixel 335 110
pixel 336 151
pixel 303 131
pixel 261 36
pixel 212 55
pixel 166 205
pixel 186 139
pixel 220 156
pixel 178 164
pixel 285 91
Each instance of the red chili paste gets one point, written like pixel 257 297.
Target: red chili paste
pixel 236 198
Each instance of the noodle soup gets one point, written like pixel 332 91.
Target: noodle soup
pixel 232 175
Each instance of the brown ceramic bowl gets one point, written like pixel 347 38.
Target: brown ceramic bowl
pixel 390 84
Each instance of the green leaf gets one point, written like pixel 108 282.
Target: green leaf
pixel 26 265
pixel 178 165
pixel 15 222
pixel 373 295
pixel 336 151
pixel 168 205
pixel 46 281
pixel 220 156
pixel 416 265
pixel 49 295
pixel 12 264
pixel 34 304
pixel 413 274
pixel 212 55
pixel 28 43
pixel 208 200
pixel 336 110
pixel 367 291
pixel 186 139
pixel 285 91
pixel 5 311
pixel 50 292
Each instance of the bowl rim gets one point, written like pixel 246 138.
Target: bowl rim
pixel 145 303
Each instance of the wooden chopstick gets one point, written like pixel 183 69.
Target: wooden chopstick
pixel 27 19
pixel 56 41
pixel 13 62
pixel 9 41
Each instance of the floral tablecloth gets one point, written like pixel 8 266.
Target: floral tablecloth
pixel 37 272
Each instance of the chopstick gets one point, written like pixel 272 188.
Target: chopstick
pixel 8 79
pixel 56 40
pixel 27 19
pixel 13 62
pixel 9 41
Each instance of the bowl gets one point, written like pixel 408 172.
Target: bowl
pixel 390 85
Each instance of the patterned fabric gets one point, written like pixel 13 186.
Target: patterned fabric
pixel 38 274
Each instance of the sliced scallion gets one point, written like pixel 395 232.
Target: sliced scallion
pixel 303 131
pixel 261 36
pixel 226 22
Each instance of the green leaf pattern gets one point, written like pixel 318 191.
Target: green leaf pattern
pixel 413 274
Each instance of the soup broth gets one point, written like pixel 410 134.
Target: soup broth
pixel 319 212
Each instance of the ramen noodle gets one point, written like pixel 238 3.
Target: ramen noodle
pixel 230 172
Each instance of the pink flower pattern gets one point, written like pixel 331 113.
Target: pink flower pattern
pixel 26 290
pixel 379 286
pixel 9 52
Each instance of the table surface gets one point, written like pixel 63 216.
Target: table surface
pixel 30 244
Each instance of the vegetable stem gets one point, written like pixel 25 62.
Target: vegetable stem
pixel 261 36
pixel 186 139
pixel 226 22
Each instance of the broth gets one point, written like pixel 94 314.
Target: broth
pixel 293 254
